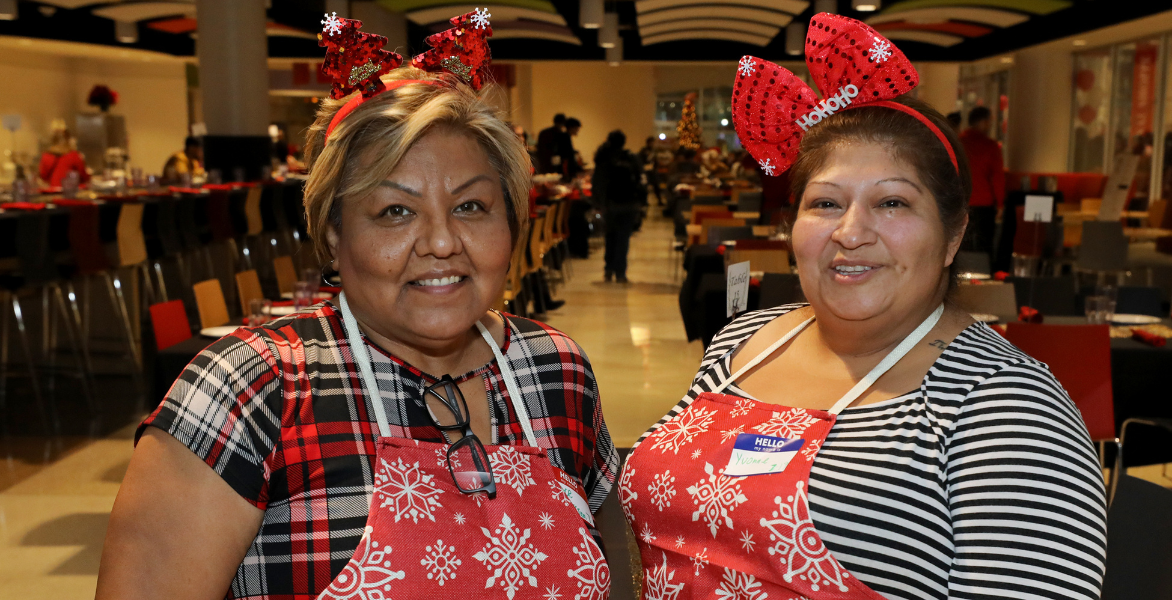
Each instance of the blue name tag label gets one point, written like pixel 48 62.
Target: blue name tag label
pixel 761 454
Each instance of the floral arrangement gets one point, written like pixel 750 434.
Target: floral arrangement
pixel 102 97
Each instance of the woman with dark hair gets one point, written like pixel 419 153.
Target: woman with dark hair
pixel 875 442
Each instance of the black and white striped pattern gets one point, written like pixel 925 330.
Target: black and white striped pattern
pixel 982 484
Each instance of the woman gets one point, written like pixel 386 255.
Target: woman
pixel 61 159
pixel 327 454
pixel 875 443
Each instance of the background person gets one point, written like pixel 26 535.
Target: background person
pixel 549 160
pixel 987 168
pixel 61 159
pixel 188 161
pixel 619 176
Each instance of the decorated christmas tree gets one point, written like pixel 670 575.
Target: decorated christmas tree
pixel 354 59
pixel 462 50
pixel 688 129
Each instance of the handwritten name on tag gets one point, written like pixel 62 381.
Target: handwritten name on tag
pixel 761 455
pixel 737 294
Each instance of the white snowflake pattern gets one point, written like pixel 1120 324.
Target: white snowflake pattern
pixel 657 584
pixel 367 575
pixel 331 25
pixel 812 449
pixel 743 407
pixel 680 542
pixel 459 518
pixel 747 541
pixel 662 488
pixel 406 491
pixel 716 498
pixel 789 424
pixel 797 545
pixel 735 585
pixel 646 534
pixel 682 429
pixel 880 50
pixel 725 435
pixel 441 459
pixel 695 454
pixel 748 66
pixel 627 496
pixel 480 18
pixel 557 492
pixel 590 572
pixel 699 561
pixel 510 557
pixel 441 562
pixel 511 468
pixel 768 166
pixel 546 521
pixel 552 593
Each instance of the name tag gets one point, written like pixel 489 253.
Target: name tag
pixel 761 455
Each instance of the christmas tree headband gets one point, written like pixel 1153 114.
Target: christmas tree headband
pixel 356 61
pixel 851 64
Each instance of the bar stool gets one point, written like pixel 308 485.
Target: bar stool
pixel 162 238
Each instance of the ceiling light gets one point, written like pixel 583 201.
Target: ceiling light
pixel 826 6
pixel 590 14
pixel 608 35
pixel 662 136
pixel 126 31
pixel 614 55
pixel 1007 60
pixel 724 122
pixel 795 38
pixel 8 10
pixel 1079 42
pixel 865 5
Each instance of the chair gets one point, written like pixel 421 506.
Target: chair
pixel 750 201
pixel 1156 211
pixel 778 289
pixel 1138 300
pixel 248 286
pixel 769 261
pixel 1139 542
pixel 1079 356
pixel 719 234
pixel 1104 248
pixel 973 262
pixel 707 199
pixel 286 274
pixel 1049 295
pixel 209 300
pixel 707 224
pixel 989 299
pixel 169 320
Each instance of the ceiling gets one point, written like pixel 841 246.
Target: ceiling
pixel 658 30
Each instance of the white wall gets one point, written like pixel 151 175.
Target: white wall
pixel 938 85
pixel 41 87
pixel 1039 110
pixel 603 97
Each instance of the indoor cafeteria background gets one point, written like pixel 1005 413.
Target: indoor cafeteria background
pixel 104 290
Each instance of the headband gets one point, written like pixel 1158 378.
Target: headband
pixel 851 64
pixel 356 61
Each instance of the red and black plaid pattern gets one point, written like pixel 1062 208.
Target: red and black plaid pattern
pixel 279 412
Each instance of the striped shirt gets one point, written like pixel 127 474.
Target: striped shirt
pixel 981 484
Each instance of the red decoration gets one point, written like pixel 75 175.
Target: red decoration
pixel 102 97
pixel 1087 114
pixel 355 61
pixel 1084 79
pixel 1000 276
pixel 1029 315
pixel 1150 339
pixel 850 63
pixel 461 50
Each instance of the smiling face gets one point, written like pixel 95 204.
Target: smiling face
pixel 425 254
pixel 868 239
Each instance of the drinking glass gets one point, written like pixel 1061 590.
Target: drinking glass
pixel 1093 306
pixel 312 277
pixel 259 311
pixel 303 292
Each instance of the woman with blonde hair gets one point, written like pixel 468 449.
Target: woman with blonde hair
pixel 405 440
pixel 62 158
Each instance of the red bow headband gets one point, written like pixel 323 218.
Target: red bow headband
pixel 852 65
pixel 356 61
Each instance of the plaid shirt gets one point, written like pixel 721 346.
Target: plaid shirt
pixel 279 412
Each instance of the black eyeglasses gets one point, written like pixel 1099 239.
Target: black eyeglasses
pixel 467 460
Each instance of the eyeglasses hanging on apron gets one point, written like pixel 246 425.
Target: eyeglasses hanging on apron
pixel 436 528
pixel 718 495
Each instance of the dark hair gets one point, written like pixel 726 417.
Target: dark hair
pixel 191 141
pixel 954 118
pixel 572 123
pixel 978 114
pixel 559 119
pixel 617 139
pixel 910 141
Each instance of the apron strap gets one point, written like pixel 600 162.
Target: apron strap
pixel 868 380
pixel 362 356
pixel 510 382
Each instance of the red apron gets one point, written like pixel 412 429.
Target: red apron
pixel 426 539
pixel 702 534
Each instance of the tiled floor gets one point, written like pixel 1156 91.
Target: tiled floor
pixel 55 496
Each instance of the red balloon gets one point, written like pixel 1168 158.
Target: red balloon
pixel 1084 79
pixel 1087 114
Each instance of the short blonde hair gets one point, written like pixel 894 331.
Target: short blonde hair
pixel 391 123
